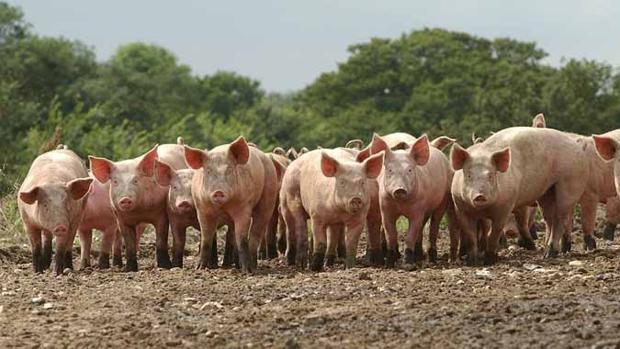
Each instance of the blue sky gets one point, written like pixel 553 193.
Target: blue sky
pixel 286 44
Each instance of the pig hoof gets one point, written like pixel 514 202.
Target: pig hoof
pixel 526 244
pixel 317 261
pixel 503 242
pixel 84 264
pixel 330 260
pixel 376 257
pixel 350 262
pixel 609 232
pixel 472 260
pixel 410 256
pixel 589 243
pixel 550 252
pixel 533 233
pixel 163 259
pixel 432 255
pixel 290 258
pixel 567 245
pixel 117 261
pixel 490 258
pixel 391 258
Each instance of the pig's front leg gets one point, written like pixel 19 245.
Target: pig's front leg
pixel 320 245
pixel 354 230
pixel 208 228
pixel 161 243
pixel 242 228
pixel 129 237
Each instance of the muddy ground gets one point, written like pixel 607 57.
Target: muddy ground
pixel 523 301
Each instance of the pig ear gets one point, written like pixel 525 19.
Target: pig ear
pixel 195 158
pixel 101 168
pixel 539 121
pixel 458 156
pixel 240 150
pixel 373 166
pixel 442 141
pixel 279 151
pixel 291 153
pixel 29 197
pixel 606 147
pixel 363 154
pixel 501 159
pixel 420 150
pixel 163 173
pixel 279 167
pixel 329 165
pixel 378 145
pixel 147 164
pixel 79 187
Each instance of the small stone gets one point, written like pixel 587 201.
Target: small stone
pixel 176 269
pixel 67 271
pixel 1 308
pixel 484 274
pixel 575 263
pixel 531 267
pixel 210 334
pixel 460 282
pixel 38 300
pixel 48 306
pixel 365 276
pixel 451 272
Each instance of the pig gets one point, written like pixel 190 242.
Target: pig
pixel 415 183
pixel 233 182
pixel 608 149
pixel 180 205
pixel 137 199
pixel 275 237
pixel 599 188
pixel 332 189
pixel 510 171
pixel 51 204
pixel 355 144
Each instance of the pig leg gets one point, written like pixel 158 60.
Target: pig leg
pixel 269 246
pixel 320 245
pixel 333 243
pixel 281 234
pixel 214 259
pixel 140 228
pixel 413 252
pixel 230 251
pixel 86 239
pixel 566 241
pixel 161 243
pixel 117 260
pixel 610 231
pixel 47 250
pixel 490 256
pixel 434 229
pixel 391 236
pixel 109 235
pixel 68 262
pixel 35 245
pixel 341 250
pixel 454 231
pixel 208 229
pixel 301 240
pixel 469 228
pixel 129 238
pixel 258 229
pixel 588 222
pixel 291 236
pixel 242 227
pixel 178 244
pixel 354 231
pixel 375 251
pixel 522 219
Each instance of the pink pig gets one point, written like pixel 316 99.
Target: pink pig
pixel 51 203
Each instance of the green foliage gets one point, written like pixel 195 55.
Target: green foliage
pixel 427 81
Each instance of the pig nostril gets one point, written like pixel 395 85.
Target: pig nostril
pixel 60 229
pixel 356 202
pixel 480 199
pixel 184 205
pixel 400 193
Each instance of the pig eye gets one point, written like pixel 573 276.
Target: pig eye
pixel 174 187
pixel 134 181
pixel 115 182
pixel 228 170
pixel 410 170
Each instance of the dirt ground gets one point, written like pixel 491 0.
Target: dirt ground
pixel 523 301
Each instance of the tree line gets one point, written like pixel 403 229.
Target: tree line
pixel 426 81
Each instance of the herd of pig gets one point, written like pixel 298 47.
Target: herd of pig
pixel 266 199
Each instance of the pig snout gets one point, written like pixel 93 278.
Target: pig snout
pixel 400 194
pixel 60 230
pixel 218 197
pixel 480 200
pixel 355 204
pixel 125 204
pixel 184 206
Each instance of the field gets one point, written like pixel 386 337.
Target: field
pixel 523 301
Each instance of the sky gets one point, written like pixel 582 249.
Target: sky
pixel 286 44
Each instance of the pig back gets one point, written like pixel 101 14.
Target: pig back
pixel 173 155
